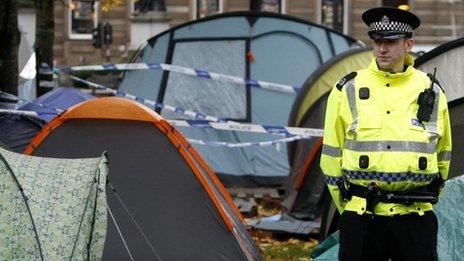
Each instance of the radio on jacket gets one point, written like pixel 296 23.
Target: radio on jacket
pixel 425 101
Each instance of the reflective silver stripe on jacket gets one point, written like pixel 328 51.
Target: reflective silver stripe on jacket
pixel 351 93
pixel 331 151
pixel 389 176
pixel 444 155
pixel 431 126
pixel 403 146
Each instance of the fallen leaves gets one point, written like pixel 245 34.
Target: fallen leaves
pixel 286 249
pixel 277 247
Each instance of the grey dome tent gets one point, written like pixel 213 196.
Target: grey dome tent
pixel 456 109
pixel 52 209
pixel 448 58
pixel 259 46
pixel 165 203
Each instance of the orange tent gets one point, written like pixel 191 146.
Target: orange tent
pixel 164 201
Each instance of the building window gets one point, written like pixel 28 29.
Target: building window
pixel 142 6
pixel 401 4
pixel 274 6
pixel 208 7
pixel 333 14
pixel 83 17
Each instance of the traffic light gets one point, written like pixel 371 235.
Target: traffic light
pixel 107 34
pixel 97 36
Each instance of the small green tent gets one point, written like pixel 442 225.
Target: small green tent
pixel 51 209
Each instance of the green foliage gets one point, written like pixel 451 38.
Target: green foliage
pixel 108 4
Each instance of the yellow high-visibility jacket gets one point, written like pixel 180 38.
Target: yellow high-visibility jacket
pixel 384 127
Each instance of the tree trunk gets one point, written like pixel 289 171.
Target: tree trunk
pixel 44 38
pixel 9 45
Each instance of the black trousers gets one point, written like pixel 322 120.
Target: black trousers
pixel 407 237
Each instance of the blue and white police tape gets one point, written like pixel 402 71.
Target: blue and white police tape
pixel 184 70
pixel 28 101
pixel 193 141
pixel 246 144
pixel 207 121
pixel 153 104
pixel 244 127
pixel 20 112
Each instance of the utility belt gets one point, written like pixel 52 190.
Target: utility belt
pixel 374 195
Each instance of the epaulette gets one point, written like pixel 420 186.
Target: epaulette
pixel 434 80
pixel 345 79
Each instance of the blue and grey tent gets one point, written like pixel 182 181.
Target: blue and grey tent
pixel 49 105
pixel 259 46
pixel 18 130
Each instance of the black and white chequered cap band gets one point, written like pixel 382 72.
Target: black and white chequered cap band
pixel 390 26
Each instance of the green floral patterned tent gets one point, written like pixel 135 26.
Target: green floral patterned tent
pixel 51 209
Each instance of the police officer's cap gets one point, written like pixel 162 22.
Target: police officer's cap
pixel 390 23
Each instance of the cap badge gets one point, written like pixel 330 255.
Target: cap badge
pixel 385 20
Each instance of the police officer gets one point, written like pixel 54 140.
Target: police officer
pixel 387 147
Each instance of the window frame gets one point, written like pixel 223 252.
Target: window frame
pixel 132 7
pixel 407 2
pixel 195 8
pixel 96 14
pixel 282 6
pixel 346 19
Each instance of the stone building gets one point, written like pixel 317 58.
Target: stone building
pixel 137 20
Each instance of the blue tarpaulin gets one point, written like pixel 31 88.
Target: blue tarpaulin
pixel 61 98
pixel 18 130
